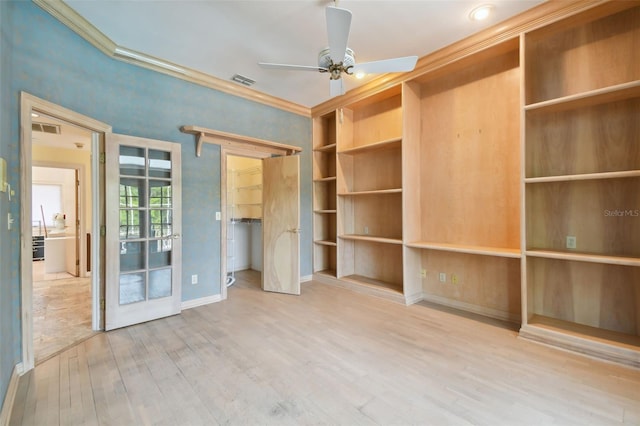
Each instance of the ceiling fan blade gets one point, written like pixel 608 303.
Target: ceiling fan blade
pixel 338 26
pixel 336 87
pixel 291 67
pixel 404 64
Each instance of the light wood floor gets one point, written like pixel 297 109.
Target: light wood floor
pixel 329 356
pixel 61 311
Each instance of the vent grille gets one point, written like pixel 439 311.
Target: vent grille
pixel 243 80
pixel 53 129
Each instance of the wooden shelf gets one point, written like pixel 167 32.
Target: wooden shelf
pixel 584 257
pixel 460 248
pixel 325 243
pixel 325 211
pixel 237 141
pixel 584 176
pixel 325 179
pixel 371 238
pixel 377 146
pixel 325 148
pixel 579 330
pixel 375 192
pixel 359 279
pixel 587 99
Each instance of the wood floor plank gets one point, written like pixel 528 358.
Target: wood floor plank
pixel 327 357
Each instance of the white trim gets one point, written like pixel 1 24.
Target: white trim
pixel 10 396
pixel 29 104
pixel 468 307
pixel 306 278
pixel 194 303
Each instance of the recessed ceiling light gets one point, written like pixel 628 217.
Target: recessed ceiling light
pixel 33 114
pixel 481 13
pixel 360 75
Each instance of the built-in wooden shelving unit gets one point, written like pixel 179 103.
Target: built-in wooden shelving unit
pixel 505 182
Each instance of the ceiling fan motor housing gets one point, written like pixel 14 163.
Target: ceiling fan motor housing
pixel 324 61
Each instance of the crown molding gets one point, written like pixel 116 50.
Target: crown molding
pixel 541 15
pixel 74 21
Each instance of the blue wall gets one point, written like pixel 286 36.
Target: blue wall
pixel 46 59
pixel 10 346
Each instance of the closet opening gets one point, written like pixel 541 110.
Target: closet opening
pixel 243 221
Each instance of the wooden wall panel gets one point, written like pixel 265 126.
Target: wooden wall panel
pixel 488 282
pixel 596 139
pixel 471 155
pixel 377 170
pixel 593 294
pixel 603 215
pixel 583 58
pixel 375 122
pixel 381 262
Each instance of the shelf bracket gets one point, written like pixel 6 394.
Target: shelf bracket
pixel 199 142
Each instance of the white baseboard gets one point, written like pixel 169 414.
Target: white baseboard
pixel 9 398
pixel 306 278
pixel 188 304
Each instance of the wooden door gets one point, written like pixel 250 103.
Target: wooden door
pixel 281 224
pixel 143 254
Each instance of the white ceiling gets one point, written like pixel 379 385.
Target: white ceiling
pixel 222 38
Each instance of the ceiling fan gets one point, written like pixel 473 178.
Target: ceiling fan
pixel 338 58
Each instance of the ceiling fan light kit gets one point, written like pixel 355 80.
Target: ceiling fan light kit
pixel 338 59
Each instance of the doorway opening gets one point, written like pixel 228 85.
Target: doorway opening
pixel 55 137
pixel 243 220
pixel 61 231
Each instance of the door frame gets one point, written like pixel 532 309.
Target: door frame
pixel 31 104
pixel 224 153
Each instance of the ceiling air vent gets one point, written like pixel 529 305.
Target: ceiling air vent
pixel 243 80
pixel 53 129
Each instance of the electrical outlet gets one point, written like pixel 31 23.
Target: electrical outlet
pixel 423 273
pixel 218 216
pixel 454 279
pixel 443 277
pixel 366 230
pixel 194 279
pixel 571 242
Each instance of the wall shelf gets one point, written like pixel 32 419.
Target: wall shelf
pixel 376 146
pixel 204 135
pixel 371 238
pixel 584 257
pixel 374 192
pixel 460 248
pixel 584 176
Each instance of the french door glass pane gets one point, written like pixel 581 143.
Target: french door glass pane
pixel 132 255
pixel 159 164
pixel 132 161
pixel 146 224
pixel 160 193
pixel 132 224
pixel 132 288
pixel 160 253
pixel 160 283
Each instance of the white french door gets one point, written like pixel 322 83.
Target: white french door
pixel 143 227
